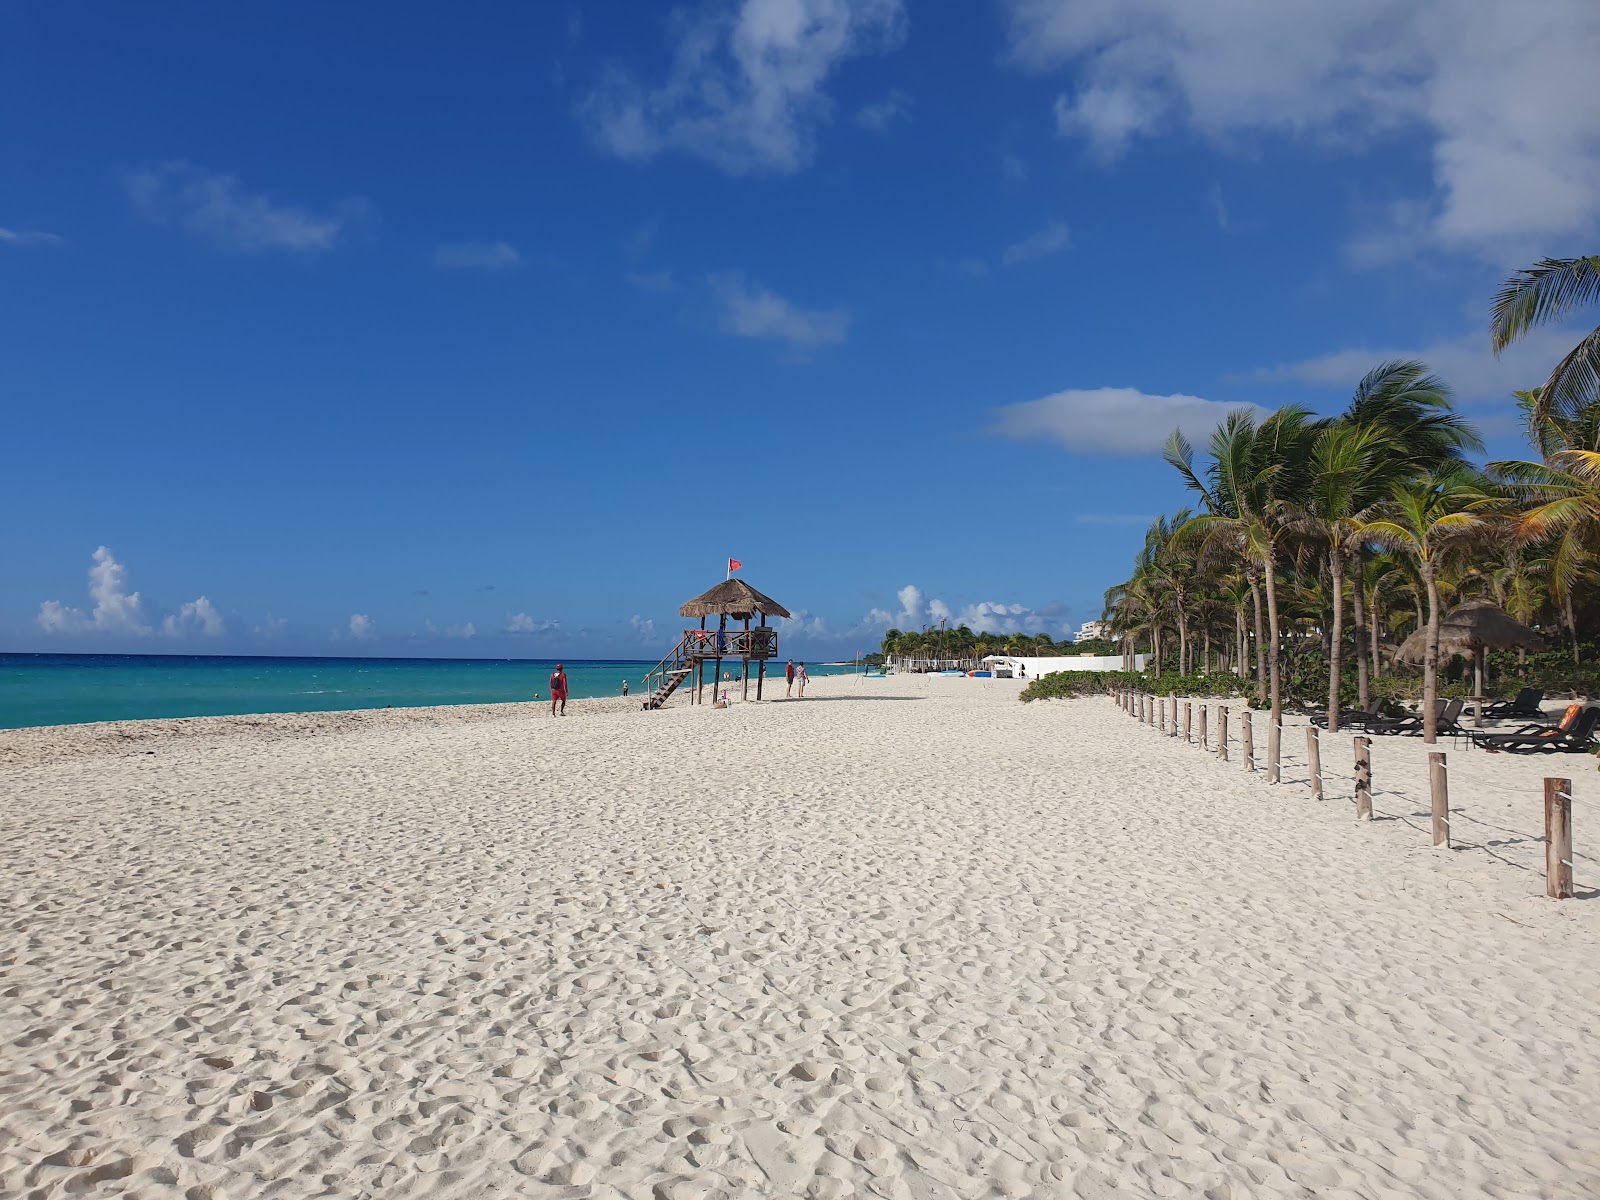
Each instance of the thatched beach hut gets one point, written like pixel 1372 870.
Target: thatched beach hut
pixel 732 599
pixel 1473 628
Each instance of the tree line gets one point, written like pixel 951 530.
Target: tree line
pixel 1353 530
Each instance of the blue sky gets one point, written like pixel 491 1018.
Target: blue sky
pixel 494 330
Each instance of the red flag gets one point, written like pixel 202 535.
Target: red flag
pixel 733 565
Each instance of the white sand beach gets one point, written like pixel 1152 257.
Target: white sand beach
pixel 907 938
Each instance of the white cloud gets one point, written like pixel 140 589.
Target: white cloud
pixel 523 623
pixel 469 630
pixel 992 616
pixel 1052 239
pixel 745 89
pixel 214 209
pixel 881 114
pixel 1112 420
pixel 1466 363
pixel 750 311
pixel 804 622
pixel 477 256
pixel 116 610
pixel 363 628
pixel 644 627
pixel 198 616
pixel 29 237
pixel 1502 93
pixel 271 627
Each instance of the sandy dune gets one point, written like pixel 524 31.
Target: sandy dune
pixel 908 938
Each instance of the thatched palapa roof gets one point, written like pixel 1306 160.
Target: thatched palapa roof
pixel 737 599
pixel 1473 626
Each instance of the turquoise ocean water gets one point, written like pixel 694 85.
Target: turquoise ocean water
pixel 65 689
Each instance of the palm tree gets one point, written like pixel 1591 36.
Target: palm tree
pixel 1562 495
pixel 1349 462
pixel 1254 485
pixel 1545 292
pixel 1432 517
pixel 1412 408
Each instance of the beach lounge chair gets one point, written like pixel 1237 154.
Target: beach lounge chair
pixel 1356 717
pixel 1573 735
pixel 1526 704
pixel 1448 713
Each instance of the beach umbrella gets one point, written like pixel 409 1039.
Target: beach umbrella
pixel 1474 628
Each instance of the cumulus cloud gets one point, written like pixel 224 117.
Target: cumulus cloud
pixel 804 622
pixel 644 627
pixel 198 616
pixel 214 209
pixel 363 628
pixel 271 627
pixel 116 610
pixel 1502 93
pixel 1467 363
pixel 1052 239
pixel 1120 421
pixel 749 311
pixel 523 623
pixel 29 237
pixel 881 114
pixel 746 86
pixel 477 256
pixel 992 616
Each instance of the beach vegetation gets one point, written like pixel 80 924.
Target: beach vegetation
pixel 1317 545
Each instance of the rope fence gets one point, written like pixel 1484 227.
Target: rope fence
pixel 1557 840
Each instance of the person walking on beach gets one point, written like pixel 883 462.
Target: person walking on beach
pixel 624 687
pixel 558 690
pixel 788 673
pixel 802 679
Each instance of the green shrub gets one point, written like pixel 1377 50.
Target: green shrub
pixel 1068 685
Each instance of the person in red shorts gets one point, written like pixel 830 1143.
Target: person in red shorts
pixel 558 690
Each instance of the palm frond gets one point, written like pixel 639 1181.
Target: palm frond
pixel 1545 292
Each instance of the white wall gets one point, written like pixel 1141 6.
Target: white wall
pixel 1048 666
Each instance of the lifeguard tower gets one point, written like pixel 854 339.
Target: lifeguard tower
pixel 734 599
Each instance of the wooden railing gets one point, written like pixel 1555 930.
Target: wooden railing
pixel 730 643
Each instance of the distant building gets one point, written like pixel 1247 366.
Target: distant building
pixel 1092 631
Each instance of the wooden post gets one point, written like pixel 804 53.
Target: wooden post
pixel 1440 786
pixel 1154 700
pixel 1172 730
pixel 1141 708
pixel 1558 838
pixel 1187 713
pixel 1161 713
pixel 746 672
pixel 1274 746
pixel 1222 733
pixel 761 666
pixel 1247 738
pixel 1314 757
pixel 1205 743
pixel 1363 779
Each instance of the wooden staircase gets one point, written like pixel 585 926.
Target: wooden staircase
pixel 668 674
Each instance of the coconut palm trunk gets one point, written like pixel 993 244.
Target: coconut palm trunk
pixel 1336 638
pixel 1430 657
pixel 1274 655
pixel 1356 598
pixel 1261 646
